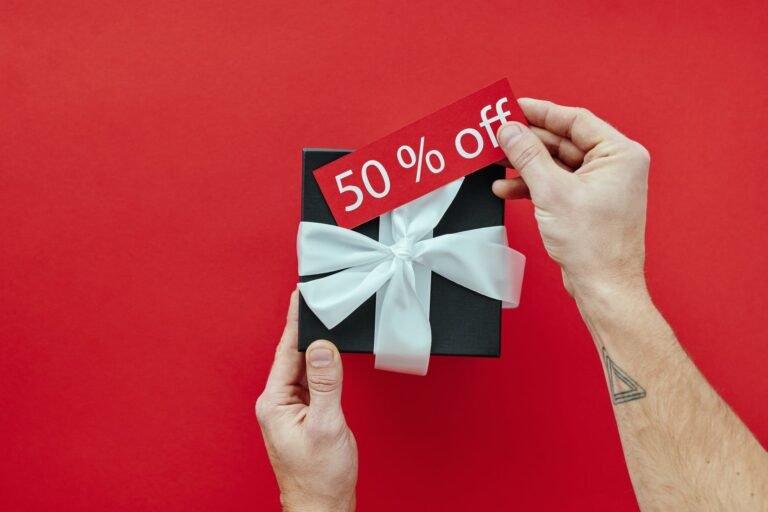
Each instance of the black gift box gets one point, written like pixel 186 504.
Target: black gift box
pixel 463 322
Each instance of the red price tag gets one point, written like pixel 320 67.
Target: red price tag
pixel 419 158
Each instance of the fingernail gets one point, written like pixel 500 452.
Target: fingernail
pixel 320 357
pixel 509 133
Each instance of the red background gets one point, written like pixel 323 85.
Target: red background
pixel 149 197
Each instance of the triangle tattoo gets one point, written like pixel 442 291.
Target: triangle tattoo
pixel 623 387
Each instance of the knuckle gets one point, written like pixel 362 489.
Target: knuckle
pixel 637 155
pixel 641 153
pixel 529 152
pixel 577 114
pixel 584 112
pixel 263 409
pixel 323 383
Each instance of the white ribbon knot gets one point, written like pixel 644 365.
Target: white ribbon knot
pixel 403 249
pixel 397 268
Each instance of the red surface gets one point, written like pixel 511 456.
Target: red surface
pixel 149 195
pixel 396 177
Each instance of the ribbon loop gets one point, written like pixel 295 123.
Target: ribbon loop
pixel 455 256
pixel 334 248
pixel 334 297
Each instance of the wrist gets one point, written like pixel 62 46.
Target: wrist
pixel 612 308
pixel 597 297
pixel 293 503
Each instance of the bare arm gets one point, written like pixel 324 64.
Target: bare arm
pixel 685 448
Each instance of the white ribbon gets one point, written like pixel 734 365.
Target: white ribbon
pixel 397 268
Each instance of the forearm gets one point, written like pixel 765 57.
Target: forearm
pixel 685 448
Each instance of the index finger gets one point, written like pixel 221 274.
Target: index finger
pixel 288 365
pixel 579 125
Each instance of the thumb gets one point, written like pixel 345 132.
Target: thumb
pixel 530 157
pixel 324 374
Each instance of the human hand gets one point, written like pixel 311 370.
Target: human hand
pixel 588 183
pixel 310 446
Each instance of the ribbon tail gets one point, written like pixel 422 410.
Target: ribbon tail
pixel 403 337
pixel 478 259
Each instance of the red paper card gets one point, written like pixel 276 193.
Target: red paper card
pixel 419 158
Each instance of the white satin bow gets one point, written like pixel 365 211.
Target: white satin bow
pixel 397 268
